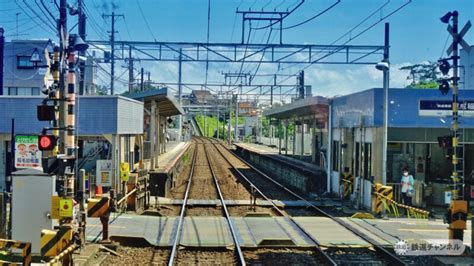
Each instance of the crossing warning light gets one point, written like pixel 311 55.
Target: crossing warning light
pixel 47 142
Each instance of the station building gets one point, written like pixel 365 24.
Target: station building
pixel 110 129
pixel 347 132
pixel 416 118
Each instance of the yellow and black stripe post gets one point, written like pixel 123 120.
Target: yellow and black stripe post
pixel 53 242
pixel 24 246
pixel 379 191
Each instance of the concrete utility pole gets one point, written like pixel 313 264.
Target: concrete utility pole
pixel 112 48
pixel 82 33
pixel 236 129
pixel 131 77
pixel 142 88
pixel 63 43
pixel 180 92
pixel 2 46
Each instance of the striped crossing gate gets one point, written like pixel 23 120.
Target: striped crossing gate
pixel 24 246
pixel 378 201
pixel 53 242
pixel 348 181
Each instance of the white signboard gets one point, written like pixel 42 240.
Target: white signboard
pixel 444 108
pixel 104 173
pixel 27 154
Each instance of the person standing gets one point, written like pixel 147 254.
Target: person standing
pixel 408 188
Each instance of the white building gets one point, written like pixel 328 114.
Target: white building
pixel 467 69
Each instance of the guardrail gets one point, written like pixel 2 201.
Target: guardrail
pixel 24 246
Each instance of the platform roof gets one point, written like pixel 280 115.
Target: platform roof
pixel 164 98
pixel 315 106
pixel 97 115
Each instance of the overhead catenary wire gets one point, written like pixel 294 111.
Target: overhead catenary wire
pixel 146 21
pixel 313 17
pixel 341 46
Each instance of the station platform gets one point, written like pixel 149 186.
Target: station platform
pixel 205 231
pixel 272 153
pixel 259 202
pixel 174 151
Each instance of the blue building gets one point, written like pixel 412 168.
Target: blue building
pixel 109 124
pixel 416 118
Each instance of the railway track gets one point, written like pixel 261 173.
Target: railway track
pixel 201 177
pixel 269 189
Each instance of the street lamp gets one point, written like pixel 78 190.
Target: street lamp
pixel 35 57
pixel 385 67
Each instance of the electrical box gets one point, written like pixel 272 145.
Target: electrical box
pixel 31 212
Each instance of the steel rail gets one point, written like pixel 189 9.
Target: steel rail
pixel 378 247
pixel 181 215
pixel 327 258
pixel 224 207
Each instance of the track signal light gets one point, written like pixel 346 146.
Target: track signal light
pixel 446 17
pixel 46 112
pixel 444 66
pixel 444 86
pixel 47 142
pixel 445 142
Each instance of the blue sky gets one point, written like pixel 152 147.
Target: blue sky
pixel 416 33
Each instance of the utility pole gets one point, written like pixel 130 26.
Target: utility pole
pixel 457 212
pixel 112 47
pixel 130 70
pixel 63 43
pixel 236 129
pixel 180 92
pixel 82 33
pixel 141 80
pixel 2 46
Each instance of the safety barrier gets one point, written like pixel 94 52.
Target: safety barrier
pixel 24 246
pixel 386 191
pixel 392 207
pixel 348 184
pixel 65 252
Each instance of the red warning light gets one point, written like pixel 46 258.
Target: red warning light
pixel 46 142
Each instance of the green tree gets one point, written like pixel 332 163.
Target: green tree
pixel 424 75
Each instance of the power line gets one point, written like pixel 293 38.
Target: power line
pixel 144 18
pixel 313 17
pixel 207 39
pixel 46 22
pixel 32 17
pixel 337 49
pixel 283 17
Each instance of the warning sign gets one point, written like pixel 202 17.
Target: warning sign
pixel 124 172
pixel 54 207
pixel 27 154
pixel 65 207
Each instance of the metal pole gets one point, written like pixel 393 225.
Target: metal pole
pixel 180 92
pixel 130 70
pixel 141 80
pixel 386 78
pixel 455 107
pixel 236 129
pixel 82 34
pixel 112 61
pixel 329 149
pixel 2 46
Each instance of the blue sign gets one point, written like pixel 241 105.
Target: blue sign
pixel 444 108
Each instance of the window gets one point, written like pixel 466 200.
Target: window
pixel 335 155
pixel 23 91
pixel 12 91
pixel 23 62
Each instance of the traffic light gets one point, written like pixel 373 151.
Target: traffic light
pixel 46 112
pixel 444 66
pixel 445 142
pixel 47 142
pixel 443 86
